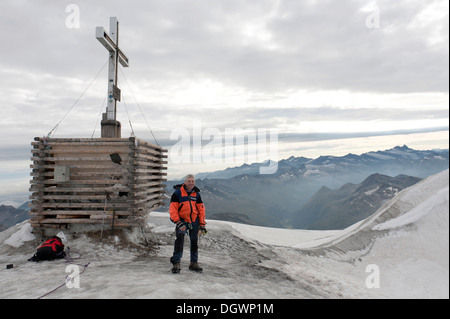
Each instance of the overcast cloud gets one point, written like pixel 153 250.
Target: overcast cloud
pixel 315 70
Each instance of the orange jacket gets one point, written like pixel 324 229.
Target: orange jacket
pixel 187 206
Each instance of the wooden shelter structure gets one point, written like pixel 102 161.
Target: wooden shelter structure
pixel 108 180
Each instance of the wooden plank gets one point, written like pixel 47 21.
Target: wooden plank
pixel 81 205
pixel 89 141
pixel 150 191
pixel 85 182
pixel 92 213
pixel 89 174
pixel 66 216
pixel 117 216
pixel 145 163
pixel 78 150
pixel 95 190
pixel 147 198
pixel 105 158
pixel 135 186
pixel 148 177
pixel 86 197
pixel 147 151
pixel 150 151
pixel 101 166
pixel 57 226
pixel 147 157
pixel 129 211
pixel 117 223
pixel 142 143
pixel 151 203
pixel 139 170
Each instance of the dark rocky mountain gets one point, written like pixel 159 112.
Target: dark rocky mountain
pixel 9 216
pixel 340 208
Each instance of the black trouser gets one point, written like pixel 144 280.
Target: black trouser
pixel 179 243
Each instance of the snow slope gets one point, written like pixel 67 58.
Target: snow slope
pixel 401 251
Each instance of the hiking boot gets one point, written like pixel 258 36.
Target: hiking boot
pixel 195 267
pixel 176 269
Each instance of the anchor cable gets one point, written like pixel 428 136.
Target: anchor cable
pixel 76 101
pixel 140 109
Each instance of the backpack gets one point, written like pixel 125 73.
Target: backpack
pixel 51 249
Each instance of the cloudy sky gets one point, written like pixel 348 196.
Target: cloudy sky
pixel 326 77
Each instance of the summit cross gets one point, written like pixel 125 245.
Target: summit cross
pixel 111 43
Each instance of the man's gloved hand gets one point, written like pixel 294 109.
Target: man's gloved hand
pixel 181 226
pixel 202 231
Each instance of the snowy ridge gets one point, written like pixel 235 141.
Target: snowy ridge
pixel 427 200
pixel 407 241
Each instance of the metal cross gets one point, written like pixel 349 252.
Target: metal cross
pixel 111 43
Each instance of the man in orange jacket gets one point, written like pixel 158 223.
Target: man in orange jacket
pixel 187 211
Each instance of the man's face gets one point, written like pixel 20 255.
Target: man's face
pixel 190 183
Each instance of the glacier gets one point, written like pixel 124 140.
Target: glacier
pixel 401 251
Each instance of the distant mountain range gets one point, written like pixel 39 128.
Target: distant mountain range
pixel 243 195
pixel 328 192
pixel 423 164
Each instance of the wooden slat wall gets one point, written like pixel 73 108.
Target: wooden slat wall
pixel 98 188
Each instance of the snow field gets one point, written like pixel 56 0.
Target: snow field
pixel 402 251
